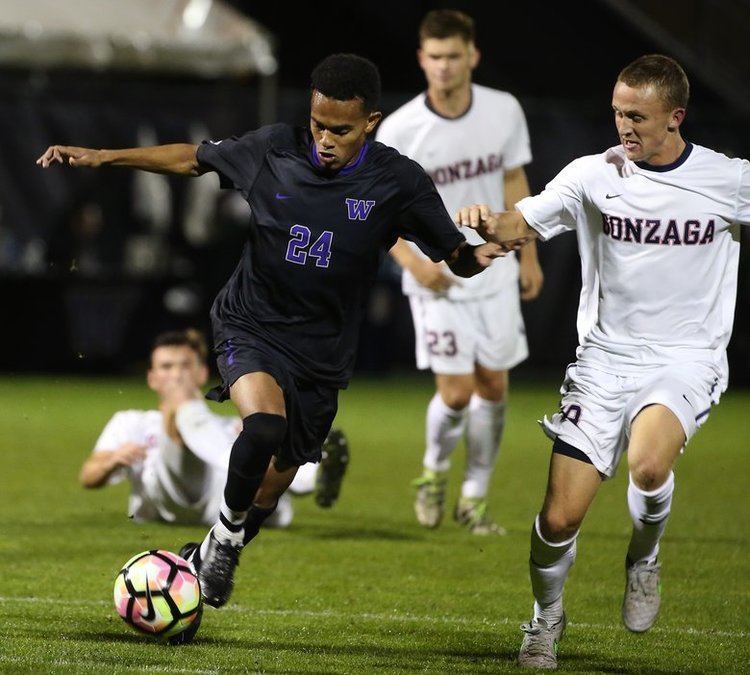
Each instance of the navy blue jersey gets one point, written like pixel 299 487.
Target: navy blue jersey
pixel 315 240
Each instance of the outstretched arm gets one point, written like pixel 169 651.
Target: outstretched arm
pixel 468 260
pixel 101 464
pixel 508 230
pixel 177 158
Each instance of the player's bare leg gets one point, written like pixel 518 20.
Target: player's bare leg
pixel 260 402
pixel 446 419
pixel 484 430
pixel 571 487
pixel 656 439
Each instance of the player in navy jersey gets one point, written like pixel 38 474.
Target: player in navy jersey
pixel 325 203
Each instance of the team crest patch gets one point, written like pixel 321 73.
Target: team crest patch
pixel 359 209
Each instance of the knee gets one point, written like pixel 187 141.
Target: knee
pixel 264 429
pixel 456 397
pixel 492 386
pixel 555 525
pixel 649 474
pixel 261 436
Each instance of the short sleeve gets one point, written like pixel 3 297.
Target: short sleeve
pixel 424 220
pixel 114 434
pixel 743 194
pixel 558 207
pixel 517 151
pixel 237 160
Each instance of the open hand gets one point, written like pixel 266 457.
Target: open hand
pixel 60 154
pixel 531 278
pixel 130 453
pixel 432 275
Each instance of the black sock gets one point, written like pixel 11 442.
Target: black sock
pixel 256 516
pixel 261 437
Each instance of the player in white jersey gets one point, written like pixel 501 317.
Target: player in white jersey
pixel 176 457
pixel 656 220
pixel 474 143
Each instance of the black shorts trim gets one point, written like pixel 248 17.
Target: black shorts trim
pixel 563 448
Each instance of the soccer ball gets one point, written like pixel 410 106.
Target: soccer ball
pixel 157 593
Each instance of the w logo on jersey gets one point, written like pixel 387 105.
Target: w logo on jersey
pixel 359 209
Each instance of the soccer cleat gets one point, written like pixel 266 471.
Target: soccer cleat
pixel 539 647
pixel 472 513
pixel 430 499
pixel 333 464
pixel 189 633
pixel 216 570
pixel 191 553
pixel 640 606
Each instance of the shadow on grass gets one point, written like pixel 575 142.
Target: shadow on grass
pixel 676 538
pixel 343 532
pixel 591 662
pixel 478 659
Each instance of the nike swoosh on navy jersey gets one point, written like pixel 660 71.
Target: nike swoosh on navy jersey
pixel 280 196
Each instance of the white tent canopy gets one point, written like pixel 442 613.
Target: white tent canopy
pixel 206 38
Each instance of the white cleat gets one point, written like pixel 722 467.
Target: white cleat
pixel 539 647
pixel 642 600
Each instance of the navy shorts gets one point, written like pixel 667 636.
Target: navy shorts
pixel 310 407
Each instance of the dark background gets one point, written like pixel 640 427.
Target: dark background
pixel 87 279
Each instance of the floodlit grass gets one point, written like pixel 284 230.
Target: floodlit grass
pixel 361 588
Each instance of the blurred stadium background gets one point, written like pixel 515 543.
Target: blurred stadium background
pixel 94 263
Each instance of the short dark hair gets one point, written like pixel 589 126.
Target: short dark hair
pixel 662 73
pixel 446 23
pixel 348 76
pixel 190 337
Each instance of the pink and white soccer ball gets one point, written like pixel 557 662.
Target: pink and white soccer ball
pixel 157 593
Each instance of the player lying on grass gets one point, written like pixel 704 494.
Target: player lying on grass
pixel 176 456
pixel 474 142
pixel 325 205
pixel 654 217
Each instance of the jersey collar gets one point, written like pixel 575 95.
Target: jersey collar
pixel 668 167
pixel 429 106
pixel 349 168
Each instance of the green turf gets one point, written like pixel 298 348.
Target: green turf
pixel 361 588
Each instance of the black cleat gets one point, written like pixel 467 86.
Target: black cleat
pixel 333 464
pixel 190 552
pixel 189 633
pixel 216 571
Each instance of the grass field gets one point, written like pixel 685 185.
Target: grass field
pixel 361 588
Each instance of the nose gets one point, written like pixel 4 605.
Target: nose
pixel 623 127
pixel 326 140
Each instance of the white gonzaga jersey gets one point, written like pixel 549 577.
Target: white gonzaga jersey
pixel 466 158
pixel 157 494
pixel 659 254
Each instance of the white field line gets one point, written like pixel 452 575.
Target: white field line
pixel 402 618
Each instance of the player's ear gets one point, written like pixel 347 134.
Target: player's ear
pixel 203 375
pixel 372 121
pixel 675 119
pixel 420 58
pixel 151 379
pixel 474 55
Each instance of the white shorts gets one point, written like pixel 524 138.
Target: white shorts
pixel 597 408
pixel 452 336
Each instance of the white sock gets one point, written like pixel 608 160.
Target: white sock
pixel 549 565
pixel 228 528
pixel 445 427
pixel 649 511
pixel 484 429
